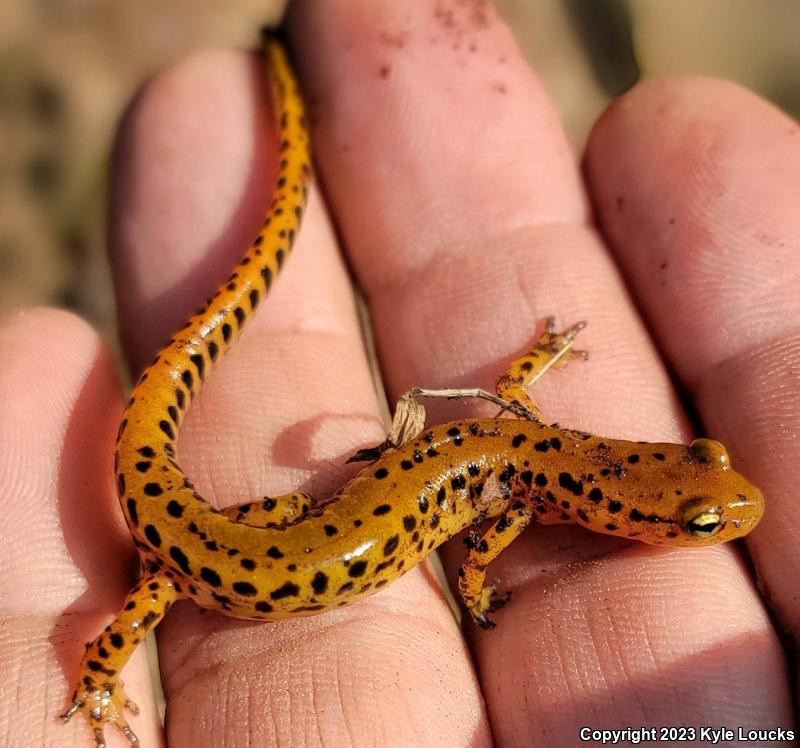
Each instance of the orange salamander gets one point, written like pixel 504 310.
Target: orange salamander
pixel 290 555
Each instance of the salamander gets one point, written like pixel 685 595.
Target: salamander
pixel 284 556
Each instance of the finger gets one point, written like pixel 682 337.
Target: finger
pixel 294 397
pixel 463 219
pixel 65 557
pixel 710 238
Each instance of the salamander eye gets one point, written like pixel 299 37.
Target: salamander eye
pixel 705 524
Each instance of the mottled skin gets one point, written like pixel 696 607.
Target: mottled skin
pixel 289 555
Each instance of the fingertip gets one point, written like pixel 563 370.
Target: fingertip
pixel 192 170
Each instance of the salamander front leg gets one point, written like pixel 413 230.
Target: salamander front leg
pixel 478 598
pixel 99 694
pixel 552 348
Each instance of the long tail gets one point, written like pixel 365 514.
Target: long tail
pixel 153 489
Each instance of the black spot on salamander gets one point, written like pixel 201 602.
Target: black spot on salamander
pixel 245 589
pixel 253 298
pixel 274 552
pixel 659 456
pixel 610 526
pixel 636 515
pixel 199 364
pixel 223 600
pixel 146 452
pixel 357 523
pixel 330 530
pixel 381 473
pixel 417 456
pixel 595 495
pixel 555 443
pixel 213 350
pixel 152 535
pixel 583 516
pixel 263 607
pixel 565 504
pixel 409 522
pixel 458 483
pixel 391 545
pixel 143 466
pixel 239 314
pixel 406 464
pixel 516 442
pixel 542 446
pixel 319 583
pixel 173 413
pixel 614 506
pixel 166 427
pixel 288 589
pixel 384 565
pixel 672 534
pixel 227 332
pixel 179 557
pixel 455 432
pixel 188 379
pixel 121 484
pixel 633 459
pixel 346 587
pixel 357 569
pixel 133 512
pixel 117 640
pixel 567 482
pixel 280 255
pixel 433 523
pixel 210 576
pixel 508 473
pixel 174 509
pixel 431 452
pixel 153 489
pixel 382 509
pixel 504 523
pixel 381 583
pixel 540 480
pixel 211 545
pixel 526 476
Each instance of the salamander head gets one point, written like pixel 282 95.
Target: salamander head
pixel 721 505
pixel 678 495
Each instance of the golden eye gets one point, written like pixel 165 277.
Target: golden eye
pixel 704 525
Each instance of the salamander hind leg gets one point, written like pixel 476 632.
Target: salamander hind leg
pixel 272 511
pixel 478 598
pixel 552 348
pixel 100 695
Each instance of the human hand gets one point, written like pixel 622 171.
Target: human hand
pixel 464 218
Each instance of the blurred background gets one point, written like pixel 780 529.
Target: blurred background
pixel 68 68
